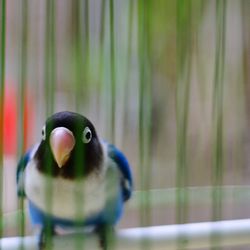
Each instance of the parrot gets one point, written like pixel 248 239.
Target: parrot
pixel 72 178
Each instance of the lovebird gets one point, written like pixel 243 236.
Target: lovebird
pixel 72 178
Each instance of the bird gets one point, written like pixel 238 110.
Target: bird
pixel 72 178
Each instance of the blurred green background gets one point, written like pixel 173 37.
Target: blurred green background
pixel 167 81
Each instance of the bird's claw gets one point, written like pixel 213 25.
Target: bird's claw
pixel 105 234
pixel 45 238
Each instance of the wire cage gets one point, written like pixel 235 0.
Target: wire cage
pixel 167 81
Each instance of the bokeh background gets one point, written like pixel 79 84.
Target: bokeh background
pixel 167 81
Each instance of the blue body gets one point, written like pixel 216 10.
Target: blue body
pixel 110 213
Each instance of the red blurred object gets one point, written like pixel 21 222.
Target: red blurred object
pixel 10 123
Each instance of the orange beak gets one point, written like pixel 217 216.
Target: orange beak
pixel 62 141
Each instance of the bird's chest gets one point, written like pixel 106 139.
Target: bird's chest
pixel 70 199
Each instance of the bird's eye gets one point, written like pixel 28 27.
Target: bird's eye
pixel 44 133
pixel 87 135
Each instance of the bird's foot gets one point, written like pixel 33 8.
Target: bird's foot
pixel 106 236
pixel 45 238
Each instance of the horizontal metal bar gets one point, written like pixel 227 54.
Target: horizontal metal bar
pixel 190 236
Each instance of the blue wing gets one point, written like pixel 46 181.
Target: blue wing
pixel 126 181
pixel 20 171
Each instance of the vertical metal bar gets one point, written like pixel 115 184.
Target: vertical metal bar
pixel 112 69
pixel 2 86
pixel 182 105
pixel 77 43
pixel 50 82
pixel 217 175
pixel 102 23
pixel 101 42
pixel 145 109
pixel 183 35
pixel 101 55
pixel 50 57
pixel 80 26
pixel 245 7
pixel 21 100
pixel 128 62
pixel 218 106
pixel 81 56
pixel 86 44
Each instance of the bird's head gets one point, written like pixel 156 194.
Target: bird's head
pixel 69 147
